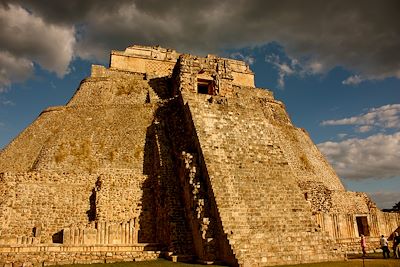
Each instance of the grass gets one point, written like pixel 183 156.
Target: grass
pixel 353 263
pixel 373 260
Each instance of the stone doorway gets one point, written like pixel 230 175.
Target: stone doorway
pixel 205 86
pixel 362 225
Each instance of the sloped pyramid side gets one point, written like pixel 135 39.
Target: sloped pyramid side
pixel 21 153
pixel 99 128
pixel 53 165
pixel 93 160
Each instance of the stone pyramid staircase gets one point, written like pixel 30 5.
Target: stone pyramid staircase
pixel 263 212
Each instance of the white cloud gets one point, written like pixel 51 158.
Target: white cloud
pixel 384 199
pixel 364 128
pixel 352 80
pixel 377 156
pixel 285 67
pixel 315 67
pixel 13 69
pixel 6 102
pixel 26 38
pixel 342 135
pixel 246 58
pixel 385 117
pixel 292 66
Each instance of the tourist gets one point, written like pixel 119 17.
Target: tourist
pixel 363 245
pixel 396 247
pixel 385 247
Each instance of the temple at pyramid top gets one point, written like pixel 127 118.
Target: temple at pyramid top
pixel 160 61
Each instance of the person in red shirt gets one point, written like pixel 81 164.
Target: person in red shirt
pixel 363 245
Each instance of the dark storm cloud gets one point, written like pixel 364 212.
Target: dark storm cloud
pixel 26 38
pixel 362 36
pixel 66 12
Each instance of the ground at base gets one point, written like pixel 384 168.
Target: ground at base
pixel 372 260
pixel 155 263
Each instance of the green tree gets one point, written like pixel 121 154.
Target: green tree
pixel 396 206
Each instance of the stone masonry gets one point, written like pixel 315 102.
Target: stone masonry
pixel 172 153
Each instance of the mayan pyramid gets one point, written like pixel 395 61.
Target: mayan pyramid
pixel 169 154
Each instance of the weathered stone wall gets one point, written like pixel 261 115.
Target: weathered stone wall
pixel 324 199
pixel 103 233
pixel 221 74
pixel 153 61
pixel 241 73
pixel 349 202
pixel 42 255
pixel 43 200
pixel 119 196
pixel 388 222
pixel 52 201
pixel 343 228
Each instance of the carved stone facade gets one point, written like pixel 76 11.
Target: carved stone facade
pixel 174 153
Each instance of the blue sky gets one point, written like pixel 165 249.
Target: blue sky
pixel 336 66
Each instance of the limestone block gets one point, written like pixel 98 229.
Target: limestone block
pixel 89 236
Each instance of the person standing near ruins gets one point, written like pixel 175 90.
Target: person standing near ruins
pixel 396 247
pixel 385 247
pixel 363 245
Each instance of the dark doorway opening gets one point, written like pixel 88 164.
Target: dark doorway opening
pixel 58 237
pixel 204 87
pixel 362 225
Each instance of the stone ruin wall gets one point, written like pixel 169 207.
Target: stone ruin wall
pixel 160 62
pixel 343 228
pixel 57 201
pixel 220 74
pixel 44 202
pixel 153 62
pixel 43 255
